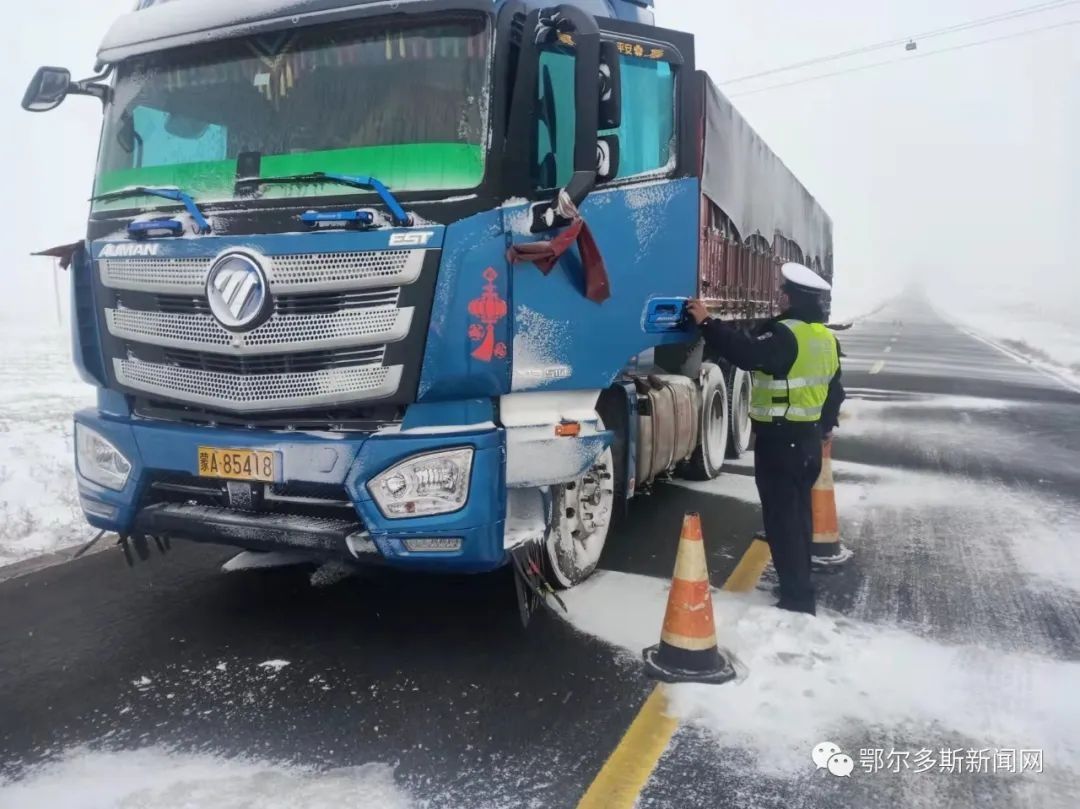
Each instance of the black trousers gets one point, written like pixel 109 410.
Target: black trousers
pixel 787 463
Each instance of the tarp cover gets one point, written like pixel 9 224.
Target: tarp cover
pixel 752 186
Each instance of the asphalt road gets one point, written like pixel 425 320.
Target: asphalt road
pixel 435 675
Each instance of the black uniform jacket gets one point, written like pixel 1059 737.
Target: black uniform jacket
pixel 772 348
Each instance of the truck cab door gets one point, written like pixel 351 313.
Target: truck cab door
pixel 642 207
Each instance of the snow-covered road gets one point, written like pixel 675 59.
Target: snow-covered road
pixel 951 639
pixel 955 628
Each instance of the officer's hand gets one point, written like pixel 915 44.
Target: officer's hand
pixel 696 309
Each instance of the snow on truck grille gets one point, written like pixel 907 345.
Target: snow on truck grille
pixel 317 272
pixel 306 332
pixel 259 392
pixel 345 306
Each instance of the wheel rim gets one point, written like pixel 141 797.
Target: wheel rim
pixel 716 429
pixel 741 415
pixel 583 512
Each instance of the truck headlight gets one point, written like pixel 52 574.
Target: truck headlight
pixel 99 461
pixel 435 483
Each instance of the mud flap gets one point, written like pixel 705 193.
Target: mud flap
pixel 532 587
pixel 139 545
pixel 89 544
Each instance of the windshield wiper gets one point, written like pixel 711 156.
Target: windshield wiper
pixel 397 213
pixel 202 226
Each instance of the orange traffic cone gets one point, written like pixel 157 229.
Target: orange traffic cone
pixel 687 652
pixel 827 550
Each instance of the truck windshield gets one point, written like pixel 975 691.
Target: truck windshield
pixel 406 103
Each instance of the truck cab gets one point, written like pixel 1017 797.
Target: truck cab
pixel 398 283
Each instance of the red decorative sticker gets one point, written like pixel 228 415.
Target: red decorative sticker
pixel 489 309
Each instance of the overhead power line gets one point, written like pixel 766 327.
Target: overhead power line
pixel 886 62
pixel 892 43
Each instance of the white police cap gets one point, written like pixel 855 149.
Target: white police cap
pixel 800 276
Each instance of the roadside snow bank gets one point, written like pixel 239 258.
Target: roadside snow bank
pixel 811 679
pixel 156 778
pixel 39 392
pixel 1019 315
pixel 1023 351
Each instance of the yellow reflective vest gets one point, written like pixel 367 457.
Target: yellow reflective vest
pixel 800 395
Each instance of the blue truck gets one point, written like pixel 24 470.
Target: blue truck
pixel 404 282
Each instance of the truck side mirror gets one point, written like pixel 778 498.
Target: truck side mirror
pixel 579 29
pixel 610 86
pixel 607 158
pixel 47 90
pixel 586 35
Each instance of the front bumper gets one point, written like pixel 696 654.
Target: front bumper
pixel 318 536
pixel 341 462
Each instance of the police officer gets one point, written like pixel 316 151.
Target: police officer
pixel 795 403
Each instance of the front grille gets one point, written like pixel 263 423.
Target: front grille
pixel 259 392
pixel 173 304
pixel 296 332
pixel 323 345
pixel 283 304
pixel 336 301
pixel 343 270
pixel 314 272
pixel 277 364
pixel 152 274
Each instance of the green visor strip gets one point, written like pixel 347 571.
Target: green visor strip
pixel 403 168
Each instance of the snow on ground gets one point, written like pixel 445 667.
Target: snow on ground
pixel 1027 532
pixel 1030 530
pixel 1036 533
pixel 989 675
pixel 1036 322
pixel 157 778
pixel 1022 350
pixel 807 679
pixel 861 401
pixel 39 392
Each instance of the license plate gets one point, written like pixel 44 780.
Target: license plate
pixel 238 464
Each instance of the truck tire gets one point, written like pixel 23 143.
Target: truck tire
pixel 739 413
pixel 708 459
pixel 582 512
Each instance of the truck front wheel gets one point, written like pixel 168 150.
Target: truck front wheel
pixel 581 514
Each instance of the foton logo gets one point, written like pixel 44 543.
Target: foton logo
pixel 126 250
pixel 417 238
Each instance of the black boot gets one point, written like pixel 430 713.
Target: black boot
pixel 792 605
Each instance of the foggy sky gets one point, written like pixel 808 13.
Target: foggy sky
pixel 961 166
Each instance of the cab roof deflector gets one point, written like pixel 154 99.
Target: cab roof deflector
pixel 180 23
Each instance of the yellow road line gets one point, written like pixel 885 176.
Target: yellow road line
pixel 620 781
pixel 624 774
pixel 744 577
